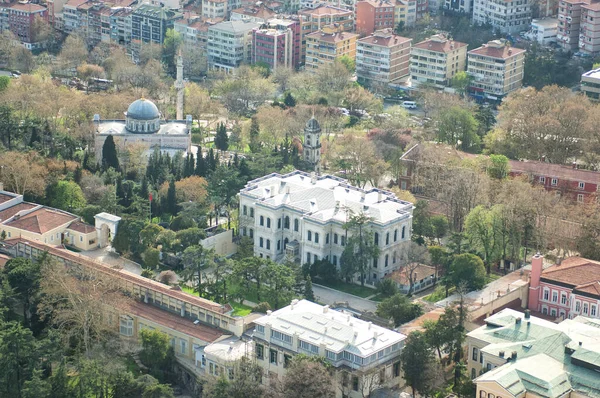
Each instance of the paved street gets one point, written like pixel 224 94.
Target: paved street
pixel 329 296
pixel 108 257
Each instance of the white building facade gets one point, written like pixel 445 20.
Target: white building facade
pixel 301 217
pixel 230 44
pixel 365 357
pixel 505 16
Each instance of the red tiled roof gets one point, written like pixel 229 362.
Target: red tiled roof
pixel 444 46
pixel 593 6
pixel 555 170
pixel 5 198
pixel 125 275
pixel 75 3
pixel 11 211
pixel 592 288
pixel 82 227
pixel 575 271
pixel 172 321
pixel 332 37
pixel 3 260
pixel 385 38
pixel 400 276
pixel 493 51
pixel 324 10
pixel 28 7
pixel 42 220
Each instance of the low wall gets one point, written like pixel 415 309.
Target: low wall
pixel 222 243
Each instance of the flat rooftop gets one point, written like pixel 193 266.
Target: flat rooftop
pixel 592 74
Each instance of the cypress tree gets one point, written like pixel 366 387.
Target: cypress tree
pixel 144 191
pixel 77 174
pixel 200 164
pixel 308 289
pixel 254 136
pixel 172 198
pixel 221 138
pixel 109 154
pixel 210 160
pixel 289 100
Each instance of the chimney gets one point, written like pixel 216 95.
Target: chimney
pixel 537 262
pixel 375 335
pixel 379 197
pixel 513 356
pixel 501 354
pixel 230 346
pixel 527 314
pixel 313 177
pixel 543 158
pixel 580 343
pixel 325 309
pixel 269 312
pixel 362 196
pixel 517 321
pixel 574 165
pixel 369 323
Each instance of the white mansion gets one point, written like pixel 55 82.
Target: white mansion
pixel 301 216
pixel 365 357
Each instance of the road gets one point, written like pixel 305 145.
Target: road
pixel 329 296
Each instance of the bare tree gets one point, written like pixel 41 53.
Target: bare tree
pixel 413 256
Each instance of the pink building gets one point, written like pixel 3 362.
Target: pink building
pixel 273 47
pixel 372 15
pixel 565 290
pixel 20 20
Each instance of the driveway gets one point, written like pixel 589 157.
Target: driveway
pixel 326 295
pixel 107 256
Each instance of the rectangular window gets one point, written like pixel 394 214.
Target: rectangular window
pixel 183 346
pixel 577 306
pixel 580 197
pixel 554 181
pixel 563 299
pixel 397 369
pixel 593 310
pixel 126 326
pixel 245 210
pixel 260 242
pixel 546 294
pixel 475 354
pixel 308 346
pixel 330 355
pixel 316 237
pixel 582 185
pixel 309 236
pixel 585 308
pixel 273 356
pixel 252 212
pixel 260 351
pixel 355 383
pixel 279 223
pixel 268 244
pixel 260 328
pixel 554 297
pixel 335 239
pixel 268 222
pixel 308 258
pixel 286 360
pixel 542 180
pixel 327 239
pixel 343 241
pixel 281 336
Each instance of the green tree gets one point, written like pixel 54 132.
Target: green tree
pixel 190 237
pixel 221 138
pixel 20 355
pixel 151 257
pixel 36 387
pixel 109 154
pixel 439 227
pixel 308 377
pixel 457 126
pixel 361 247
pixel 4 83
pixel 196 260
pixel 251 271
pixel 308 290
pixel 387 287
pixel 400 27
pixel 254 143
pixel 499 167
pixel 480 227
pixel 279 283
pixel 421 221
pixel 288 100
pixel 157 353
pixel 348 62
pixel 172 198
pixel 158 391
pixel 399 308
pixel 485 118
pixel 469 269
pixel 149 235
pixel 171 45
pixel 66 195
pixel 461 82
pixel 23 276
pixel 418 364
pixel 246 383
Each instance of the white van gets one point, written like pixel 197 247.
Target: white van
pixel 409 105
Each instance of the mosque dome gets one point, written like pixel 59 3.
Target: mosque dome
pixel 143 109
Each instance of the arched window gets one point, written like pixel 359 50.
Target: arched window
pixel 403 232
pixel 473 373
pixel 387 257
pixel 296 225
pixel 334 260
pixel 268 222
pixel 490 395
pixel 286 222
pixel 376 239
pixel 394 258
pixel 309 235
pixel 395 235
pixel 387 238
pixel 262 221
pixel 482 394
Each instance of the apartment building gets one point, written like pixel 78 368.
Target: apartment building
pixel 496 68
pixel 301 217
pixel 589 34
pixel 327 45
pixel 20 19
pixel 149 24
pixel 517 355
pixel 364 357
pixel 214 9
pixel 294 25
pixel 590 84
pixel 405 11
pixel 565 290
pixel 120 26
pixel 464 7
pixel 230 44
pixel 273 47
pixel 372 15
pixel 506 16
pixel 382 58
pixel 320 17
pixel 259 14
pixel 436 60
pixel 543 30
pixel 569 21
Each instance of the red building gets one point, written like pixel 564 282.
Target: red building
pixel 20 20
pixel 565 290
pixel 569 181
pixel 374 15
pixel 422 8
pixel 273 47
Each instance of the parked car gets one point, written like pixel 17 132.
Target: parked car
pixel 409 105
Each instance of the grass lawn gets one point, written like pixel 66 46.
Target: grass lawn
pixel 492 277
pixel 350 288
pixel 132 366
pixel 438 294
pixel 240 309
pixel 379 298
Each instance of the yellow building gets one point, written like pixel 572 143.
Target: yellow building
pixel 19 219
pixel 405 11
pixel 436 61
pixel 327 45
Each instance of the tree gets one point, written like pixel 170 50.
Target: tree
pixel 254 143
pixel 399 308
pixel 413 256
pixel 480 228
pixel 149 235
pixel 151 257
pixel 308 290
pixel 387 287
pixel 468 268
pixel 244 91
pixel 196 260
pixel 417 363
pixel 288 100
pixel 66 195
pixel 221 138
pixel 20 355
pixel 421 220
pixel 279 283
pixel 499 167
pixel 156 353
pixel 348 62
pixel 460 82
pixel 171 44
pixel 246 383
pixel 172 198
pixel 167 277
pixel 190 237
pixel 73 53
pixel 4 83
pixel 308 378
pixel 439 227
pixel 36 387
pixel 23 173
pixel 360 249
pixel 457 126
pixel 23 276
pixel 109 154
pixel 251 271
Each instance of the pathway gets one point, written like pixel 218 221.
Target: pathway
pixel 326 295
pixel 107 256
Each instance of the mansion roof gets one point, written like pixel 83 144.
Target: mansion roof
pixel 326 198
pixel 581 274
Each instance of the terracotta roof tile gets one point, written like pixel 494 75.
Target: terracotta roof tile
pixel 555 170
pixel 440 46
pixel 82 227
pixel 332 37
pixel 385 38
pixel 400 276
pixel 5 198
pixel 11 211
pixel 497 51
pixel 3 260
pixel 324 10
pixel 42 220
pixel 581 273
pixel 29 7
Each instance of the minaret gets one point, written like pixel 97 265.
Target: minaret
pixel 179 86
pixel 312 144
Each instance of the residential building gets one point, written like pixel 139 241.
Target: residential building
pixel 120 26
pixel 273 47
pixel 372 15
pixel 434 6
pixel 230 44
pixel 194 33
pixel 55 9
pixel 382 58
pixel 21 17
pixel 405 12
pixel 144 125
pixel 149 24
pixel 589 34
pixel 567 289
pixel 192 323
pixel 519 355
pixel 322 16
pixel 414 278
pixel 496 68
pixel 358 351
pixel 569 21
pixel 70 15
pixel 20 219
pixel 506 16
pixel 543 31
pixel 301 217
pixel 463 7
pixel 293 24
pixel 327 45
pixel 436 60
pixel 254 13
pixel 214 9
pixel 590 84
pixel 422 8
